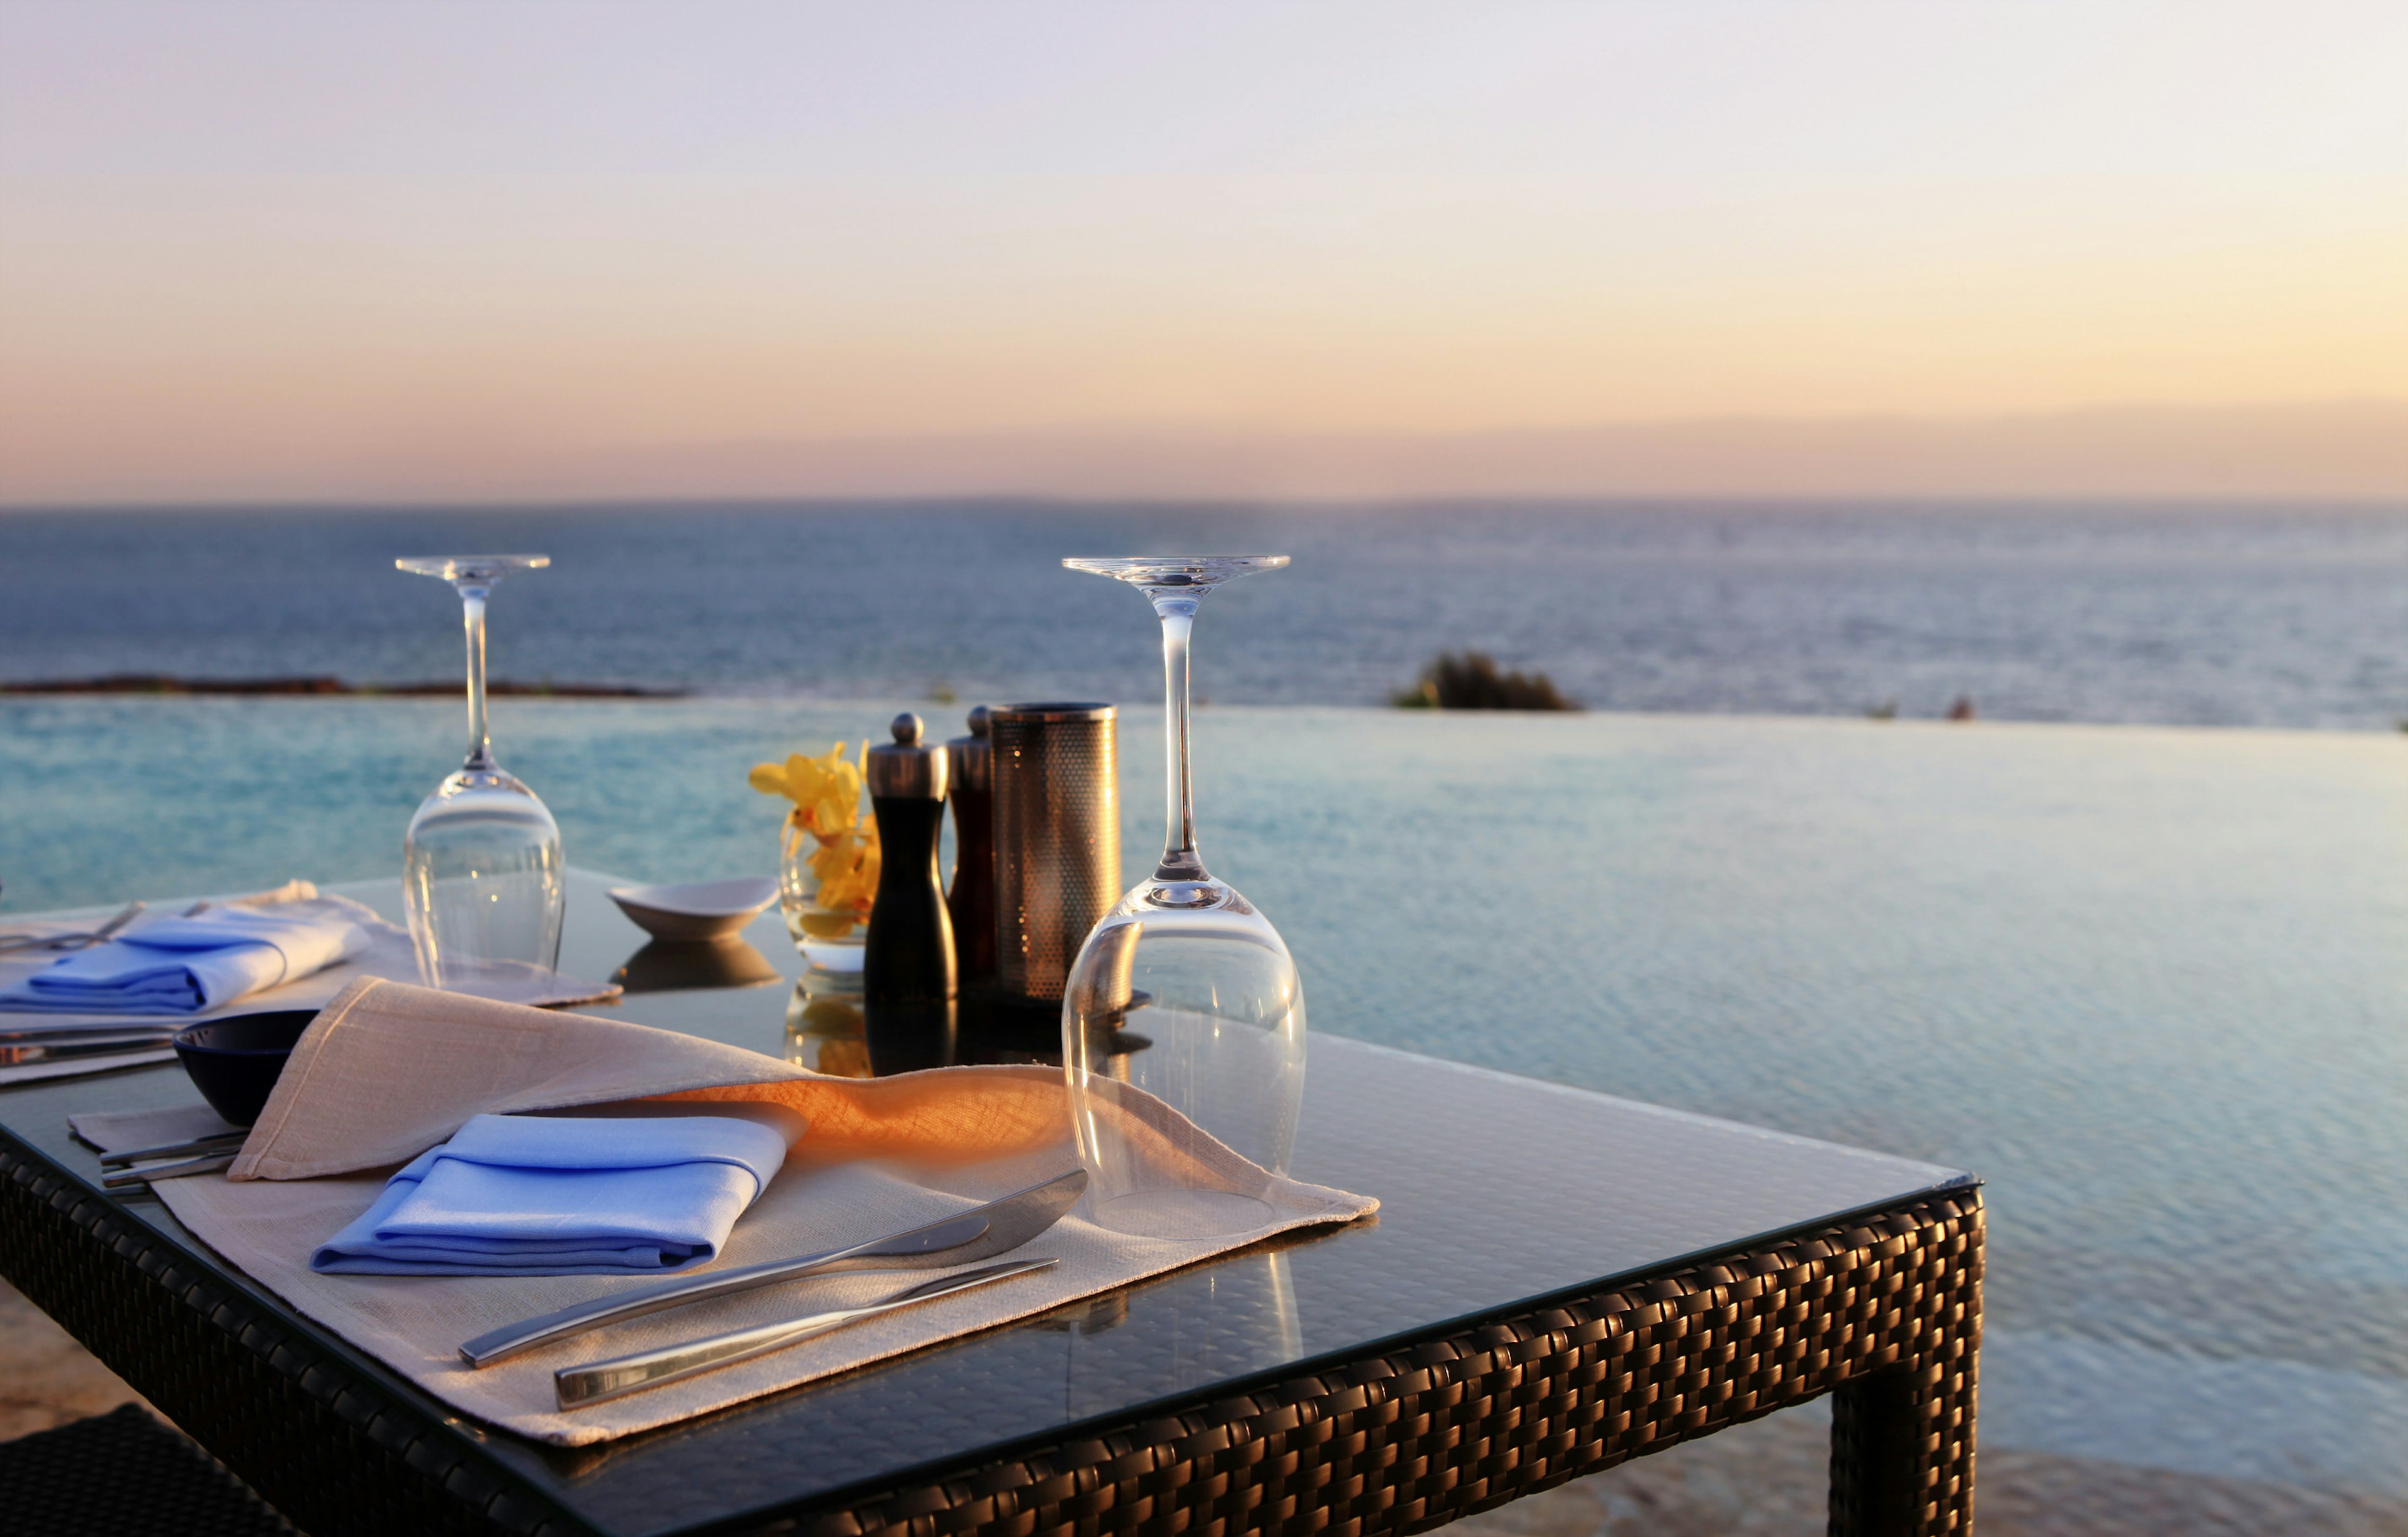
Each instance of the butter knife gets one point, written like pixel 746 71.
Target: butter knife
pixel 979 1233
pixel 598 1382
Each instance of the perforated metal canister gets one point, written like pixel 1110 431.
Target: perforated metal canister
pixel 1057 838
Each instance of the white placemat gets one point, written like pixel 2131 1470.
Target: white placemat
pixel 389 1071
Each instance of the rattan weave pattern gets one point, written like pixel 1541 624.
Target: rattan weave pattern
pixel 1885 1311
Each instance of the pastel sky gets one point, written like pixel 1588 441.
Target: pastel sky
pixel 471 252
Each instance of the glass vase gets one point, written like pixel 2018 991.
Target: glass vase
pixel 828 938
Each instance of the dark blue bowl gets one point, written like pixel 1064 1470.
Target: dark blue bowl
pixel 235 1061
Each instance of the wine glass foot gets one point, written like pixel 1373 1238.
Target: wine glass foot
pixel 1184 1213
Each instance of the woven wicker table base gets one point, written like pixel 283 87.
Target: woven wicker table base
pixel 1884 1312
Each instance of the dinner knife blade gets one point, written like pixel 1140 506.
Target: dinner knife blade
pixel 16 1056
pixel 216 1141
pixel 126 1179
pixel 979 1233
pixel 70 1035
pixel 597 1382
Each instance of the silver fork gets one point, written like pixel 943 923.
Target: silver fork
pixel 73 942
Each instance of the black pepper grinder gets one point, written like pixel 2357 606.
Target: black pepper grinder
pixel 907 963
pixel 971 902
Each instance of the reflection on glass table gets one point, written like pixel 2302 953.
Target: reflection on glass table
pixel 673 965
pixel 1235 1319
pixel 825 1031
pixel 829 1029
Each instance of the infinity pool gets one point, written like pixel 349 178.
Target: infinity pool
pixel 2151 984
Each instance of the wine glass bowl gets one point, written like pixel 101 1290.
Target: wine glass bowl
pixel 481 871
pixel 1183 996
pixel 1198 1008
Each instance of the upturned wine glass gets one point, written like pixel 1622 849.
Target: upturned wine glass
pixel 481 867
pixel 1184 996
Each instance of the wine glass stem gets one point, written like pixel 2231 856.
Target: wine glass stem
pixel 1179 857
pixel 472 618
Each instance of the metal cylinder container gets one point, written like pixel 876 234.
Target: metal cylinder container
pixel 1057 838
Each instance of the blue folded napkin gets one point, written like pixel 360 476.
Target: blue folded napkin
pixel 545 1194
pixel 180 966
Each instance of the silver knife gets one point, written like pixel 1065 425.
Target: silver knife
pixel 979 1233
pixel 126 1179
pixel 56 1051
pixel 597 1382
pixel 52 1035
pixel 216 1141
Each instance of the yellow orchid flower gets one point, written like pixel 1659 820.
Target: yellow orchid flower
pixel 847 867
pixel 826 795
pixel 828 790
pixel 825 790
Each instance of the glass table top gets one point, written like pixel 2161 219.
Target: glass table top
pixel 1497 1193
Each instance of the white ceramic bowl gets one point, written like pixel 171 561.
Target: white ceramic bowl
pixel 699 910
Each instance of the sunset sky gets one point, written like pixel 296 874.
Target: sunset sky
pixel 316 251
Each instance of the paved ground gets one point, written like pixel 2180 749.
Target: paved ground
pixel 46 1378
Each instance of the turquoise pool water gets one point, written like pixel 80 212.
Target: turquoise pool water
pixel 2153 984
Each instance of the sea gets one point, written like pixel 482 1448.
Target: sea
pixel 2170 614
pixel 2128 945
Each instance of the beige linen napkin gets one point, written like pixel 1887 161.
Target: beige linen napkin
pixel 388 1071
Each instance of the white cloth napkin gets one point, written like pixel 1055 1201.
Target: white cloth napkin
pixel 526 1195
pixel 180 966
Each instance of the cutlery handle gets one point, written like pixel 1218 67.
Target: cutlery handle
pixel 596 1382
pixel 993 1228
pixel 491 1346
pixel 217 1141
pixel 577 1386
pixel 125 1179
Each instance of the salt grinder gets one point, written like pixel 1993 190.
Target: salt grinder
pixel 907 964
pixel 970 762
